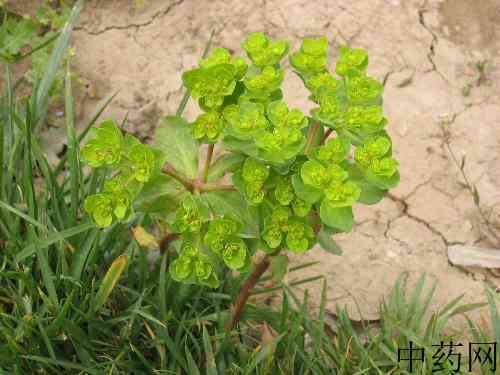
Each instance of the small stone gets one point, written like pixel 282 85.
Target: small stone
pixel 469 256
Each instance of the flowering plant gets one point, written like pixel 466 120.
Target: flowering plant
pixel 293 178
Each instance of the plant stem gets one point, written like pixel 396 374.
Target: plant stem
pixel 205 188
pixel 195 185
pixel 188 184
pixel 325 137
pixel 311 135
pixel 210 153
pixel 245 290
pixel 472 190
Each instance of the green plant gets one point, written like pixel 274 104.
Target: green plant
pixel 76 299
pixel 28 37
pixel 293 184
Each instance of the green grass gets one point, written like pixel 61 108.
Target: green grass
pixel 78 300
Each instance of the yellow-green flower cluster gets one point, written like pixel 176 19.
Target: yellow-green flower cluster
pixel 134 164
pixel 311 59
pixel 254 175
pixel 194 267
pixel 190 215
pixel 283 229
pixel 375 160
pixel 324 173
pixel 263 51
pixel 222 239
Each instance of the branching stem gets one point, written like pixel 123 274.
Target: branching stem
pixel 311 136
pixel 210 153
pixel 196 185
pixel 325 137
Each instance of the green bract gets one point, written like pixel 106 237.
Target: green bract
pixel 220 56
pixel 190 215
pixel 142 162
pixel 194 267
pixel 284 193
pixel 222 239
pixel 331 106
pixel 324 79
pixel 134 164
pixel 212 84
pixel 254 175
pixel 300 236
pixel 262 85
pixel 311 58
pixel 374 159
pixel 334 151
pixel 263 51
pixel 364 121
pixel 282 228
pixel 100 206
pixel 208 126
pixel 105 149
pixel 273 179
pixel 363 89
pixel 315 174
pixel 351 61
pixel 245 120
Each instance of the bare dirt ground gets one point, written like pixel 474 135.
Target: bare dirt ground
pixel 440 63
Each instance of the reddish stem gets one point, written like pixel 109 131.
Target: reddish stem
pixel 245 291
pixel 311 135
pixel 188 184
pixel 326 135
pixel 210 153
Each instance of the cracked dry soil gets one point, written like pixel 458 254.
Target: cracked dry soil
pixel 428 55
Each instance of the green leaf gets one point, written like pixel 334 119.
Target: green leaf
pixel 383 182
pixel 326 241
pixel 337 217
pixel 161 194
pixel 53 66
pixel 370 194
pixel 173 137
pixel 211 367
pixel 234 205
pixel 52 239
pixel 225 163
pixel 279 267
pixel 305 192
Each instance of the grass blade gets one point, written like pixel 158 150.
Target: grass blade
pixel 210 358
pixel 60 48
pixel 47 276
pixel 109 282
pixel 74 165
pixel 52 239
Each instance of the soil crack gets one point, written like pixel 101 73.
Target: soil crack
pixel 432 47
pixel 136 26
pixel 405 212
